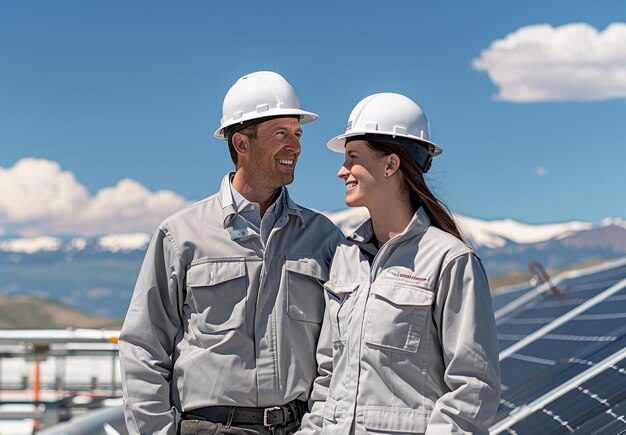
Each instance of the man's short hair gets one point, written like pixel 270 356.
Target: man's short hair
pixel 249 131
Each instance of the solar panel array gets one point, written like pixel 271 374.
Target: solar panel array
pixel 562 350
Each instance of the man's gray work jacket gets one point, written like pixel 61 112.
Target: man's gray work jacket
pixel 409 344
pixel 217 318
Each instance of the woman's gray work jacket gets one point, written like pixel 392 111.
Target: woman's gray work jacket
pixel 409 344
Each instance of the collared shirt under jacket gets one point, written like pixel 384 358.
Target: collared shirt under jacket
pixel 218 317
pixel 408 343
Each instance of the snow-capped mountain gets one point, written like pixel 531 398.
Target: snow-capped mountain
pixel 482 233
pixel 497 233
pixel 479 233
pixel 506 245
pixel 97 274
pixel 112 243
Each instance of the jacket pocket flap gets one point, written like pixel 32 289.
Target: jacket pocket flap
pixel 401 420
pixel 208 274
pixel 403 295
pixel 310 266
pixel 341 289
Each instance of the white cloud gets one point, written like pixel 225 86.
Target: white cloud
pixel 540 171
pixel 571 62
pixel 129 206
pixel 39 197
pixel 124 242
pixel 34 189
pixel 32 245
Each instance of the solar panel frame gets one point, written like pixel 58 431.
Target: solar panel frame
pixel 561 320
pixel 539 307
pixel 562 279
pixel 592 406
pixel 538 404
pixel 508 294
pixel 602 314
pixel 556 356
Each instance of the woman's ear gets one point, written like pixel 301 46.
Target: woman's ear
pixel 393 164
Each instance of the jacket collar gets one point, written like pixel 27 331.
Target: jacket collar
pixel 228 204
pixel 419 223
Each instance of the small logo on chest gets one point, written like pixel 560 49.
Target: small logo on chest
pixel 406 276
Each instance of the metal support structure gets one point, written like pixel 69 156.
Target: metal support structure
pixel 113 358
pixel 37 381
pixel 538 273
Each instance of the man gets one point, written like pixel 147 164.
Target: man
pixel 221 332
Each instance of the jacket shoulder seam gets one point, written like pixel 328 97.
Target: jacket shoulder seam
pixel 166 231
pixel 451 259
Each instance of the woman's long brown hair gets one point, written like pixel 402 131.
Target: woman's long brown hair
pixel 419 192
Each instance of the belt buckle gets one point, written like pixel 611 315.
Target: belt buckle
pixel 266 412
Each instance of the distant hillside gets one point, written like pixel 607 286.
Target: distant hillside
pixel 25 312
pixel 100 283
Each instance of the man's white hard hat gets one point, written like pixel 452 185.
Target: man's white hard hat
pixel 261 94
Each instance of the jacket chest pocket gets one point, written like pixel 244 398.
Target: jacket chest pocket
pixel 340 300
pixel 217 295
pixel 396 316
pixel 303 287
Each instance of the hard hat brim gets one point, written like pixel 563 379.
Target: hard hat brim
pixel 304 118
pixel 338 143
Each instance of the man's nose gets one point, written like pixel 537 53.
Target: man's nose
pixel 293 144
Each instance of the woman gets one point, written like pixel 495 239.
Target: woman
pixel 408 343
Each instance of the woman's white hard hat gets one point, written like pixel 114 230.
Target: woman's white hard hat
pixel 387 114
pixel 261 94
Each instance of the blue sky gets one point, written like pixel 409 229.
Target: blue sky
pixel 102 92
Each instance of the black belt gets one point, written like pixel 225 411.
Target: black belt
pixel 269 417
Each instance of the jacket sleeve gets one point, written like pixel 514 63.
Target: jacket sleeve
pixel 312 421
pixel 466 326
pixel 148 339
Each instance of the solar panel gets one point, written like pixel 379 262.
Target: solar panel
pixel 560 352
pixel 509 294
pixel 538 307
pixel 553 338
pixel 592 402
pixel 610 422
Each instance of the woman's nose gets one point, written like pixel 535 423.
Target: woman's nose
pixel 343 172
